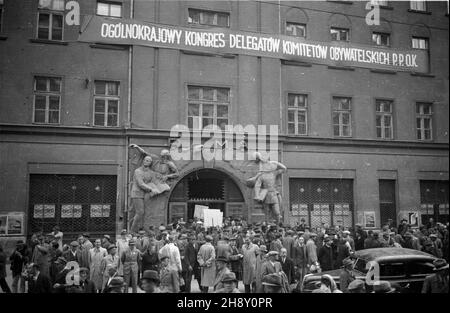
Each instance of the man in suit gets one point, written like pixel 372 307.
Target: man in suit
pixel 38 282
pixel 288 243
pixel 287 265
pixel 73 254
pixel 438 282
pixel 272 266
pixel 189 262
pixel 326 256
pixel 222 270
pixel 111 271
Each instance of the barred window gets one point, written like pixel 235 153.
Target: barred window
pixel 381 39
pixel 297 114
pixel 418 5
pixel 424 116
pixel 50 19
pixel 419 43
pixel 384 123
pixel 106 103
pixel 109 9
pixel 208 106
pixel 295 29
pixel 342 117
pixel 210 18
pixel 340 34
pixel 47 100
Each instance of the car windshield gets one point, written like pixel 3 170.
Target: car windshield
pixel 360 266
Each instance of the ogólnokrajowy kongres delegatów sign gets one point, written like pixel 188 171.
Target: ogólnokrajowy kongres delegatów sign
pixel 227 41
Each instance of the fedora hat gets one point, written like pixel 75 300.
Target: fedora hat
pixel 229 277
pixel 440 265
pixel 263 248
pixel 222 259
pixel 151 275
pixel 116 282
pixel 382 286
pixel 272 253
pixel 272 280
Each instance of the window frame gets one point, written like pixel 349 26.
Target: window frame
pixel 297 24
pixel 51 13
pixel 201 102
pixel 2 10
pixel 384 114
pixel 205 10
pixel 109 3
pixel 422 117
pixel 47 94
pixel 425 6
pixel 106 98
pixel 306 109
pixel 381 34
pixel 350 110
pixel 425 39
pixel 340 29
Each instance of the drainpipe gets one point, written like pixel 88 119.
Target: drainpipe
pixel 128 124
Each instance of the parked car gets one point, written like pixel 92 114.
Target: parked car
pixel 405 269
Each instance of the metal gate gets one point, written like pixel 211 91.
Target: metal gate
pixel 322 202
pixel 76 203
pixel 434 201
pixel 388 212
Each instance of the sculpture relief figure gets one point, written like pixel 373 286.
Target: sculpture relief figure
pixel 264 184
pixel 161 169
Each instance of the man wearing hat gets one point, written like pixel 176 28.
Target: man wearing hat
pixel 437 245
pixel 356 286
pixel 111 260
pixel 110 273
pixel 229 283
pixel 288 243
pixel 122 246
pixel 19 258
pixel 130 259
pixel 205 258
pixel 260 260
pixel 325 255
pixel 272 266
pixel 222 269
pixel 346 275
pixel 189 262
pixel 411 242
pixel 74 253
pixel 150 281
pixel 249 262
pixel 311 250
pixel 106 241
pixel 437 282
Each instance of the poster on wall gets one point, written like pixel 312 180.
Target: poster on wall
pixel 413 219
pixel 369 219
pixel 11 224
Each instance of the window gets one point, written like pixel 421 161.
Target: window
pixel 418 5
pixel 339 34
pixel 50 19
pixel 47 99
pixel 342 117
pixel 106 103
pixel 208 106
pixel 210 18
pixel 297 114
pixel 295 29
pixel 1 15
pixel 381 39
pixel 392 270
pixel 109 9
pixel 419 43
pixel 384 119
pixel 423 121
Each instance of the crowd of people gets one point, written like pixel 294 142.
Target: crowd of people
pixel 265 257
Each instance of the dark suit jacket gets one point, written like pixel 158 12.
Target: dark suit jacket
pixel 300 256
pixel 41 285
pixel 288 269
pixel 70 257
pixel 190 256
pixel 325 258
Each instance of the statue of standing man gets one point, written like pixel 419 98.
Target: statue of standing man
pixel 264 184
pixel 150 182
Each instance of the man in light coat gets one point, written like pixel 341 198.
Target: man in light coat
pixel 173 253
pixel 311 251
pixel 96 256
pixel 205 257
pixel 249 265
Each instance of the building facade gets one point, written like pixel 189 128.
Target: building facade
pixel 362 145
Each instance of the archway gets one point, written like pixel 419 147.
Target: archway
pixel 210 187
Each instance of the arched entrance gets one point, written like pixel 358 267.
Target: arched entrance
pixel 209 187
